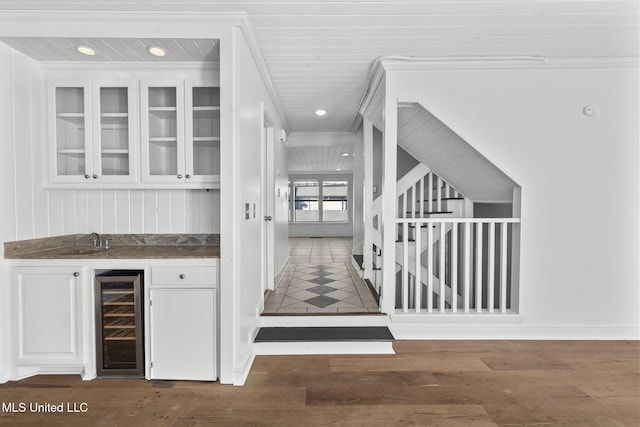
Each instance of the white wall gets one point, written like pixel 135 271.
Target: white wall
pixel 579 177
pixel 242 155
pixel 357 191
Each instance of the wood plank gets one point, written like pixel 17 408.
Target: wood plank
pixel 470 383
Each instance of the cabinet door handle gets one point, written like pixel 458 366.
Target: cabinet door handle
pixel 179 176
pixel 95 176
pixel 188 176
pixel 76 274
pixel 87 176
pixel 182 276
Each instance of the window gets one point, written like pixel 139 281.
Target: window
pixel 307 201
pixel 334 201
pixel 319 199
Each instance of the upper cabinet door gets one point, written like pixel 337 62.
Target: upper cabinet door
pixel 202 145
pixel 114 137
pixel 162 130
pixel 69 135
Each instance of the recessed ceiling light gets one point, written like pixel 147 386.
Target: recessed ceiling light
pixel 338 169
pixel 85 50
pixel 345 154
pixel 156 51
pixel 321 112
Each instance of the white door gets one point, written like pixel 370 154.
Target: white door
pixel 267 206
pixel 183 334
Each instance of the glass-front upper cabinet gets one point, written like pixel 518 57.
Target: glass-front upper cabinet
pixel 180 132
pixel 69 119
pixel 114 157
pixel 91 132
pixel 162 131
pixel 202 153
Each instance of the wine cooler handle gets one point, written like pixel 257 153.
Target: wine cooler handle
pixel 182 276
pixel 76 274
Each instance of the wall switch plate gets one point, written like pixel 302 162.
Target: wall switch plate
pixel 247 213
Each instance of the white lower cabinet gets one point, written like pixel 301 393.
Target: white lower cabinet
pixel 182 324
pixel 48 316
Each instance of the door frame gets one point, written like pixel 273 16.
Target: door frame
pixel 267 202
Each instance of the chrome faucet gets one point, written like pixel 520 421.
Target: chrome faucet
pixel 97 241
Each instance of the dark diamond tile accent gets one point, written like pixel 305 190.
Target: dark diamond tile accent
pixel 321 280
pixel 321 273
pixel 321 290
pixel 322 267
pixel 321 301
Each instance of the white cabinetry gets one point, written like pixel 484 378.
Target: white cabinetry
pixel 180 128
pixel 49 316
pixel 182 319
pixel 92 132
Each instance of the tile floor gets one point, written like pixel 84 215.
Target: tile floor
pixel 320 280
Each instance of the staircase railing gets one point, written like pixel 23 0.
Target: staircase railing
pixel 464 268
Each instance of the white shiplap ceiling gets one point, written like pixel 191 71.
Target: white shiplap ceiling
pixel 433 143
pixel 116 50
pixel 318 159
pixel 318 53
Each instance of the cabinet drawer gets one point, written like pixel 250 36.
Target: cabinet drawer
pixel 202 277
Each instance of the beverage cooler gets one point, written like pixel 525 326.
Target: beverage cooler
pixel 119 340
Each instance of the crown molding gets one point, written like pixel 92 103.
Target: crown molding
pixel 251 40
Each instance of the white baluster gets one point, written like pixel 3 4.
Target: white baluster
pixel 430 191
pixel 439 193
pixel 413 201
pixel 442 275
pixel 467 264
pixel 503 268
pixel 492 256
pixel 418 281
pixel 479 267
pixel 429 267
pixel 421 198
pixel 405 267
pixel 454 267
pixel 404 204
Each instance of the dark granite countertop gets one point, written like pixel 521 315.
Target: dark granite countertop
pixel 121 246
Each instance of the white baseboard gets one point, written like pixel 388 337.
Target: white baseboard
pixel 241 373
pixel 327 347
pixel 408 331
pixel 280 274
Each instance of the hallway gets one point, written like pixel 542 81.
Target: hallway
pixel 320 280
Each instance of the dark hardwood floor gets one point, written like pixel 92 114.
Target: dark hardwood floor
pixel 435 383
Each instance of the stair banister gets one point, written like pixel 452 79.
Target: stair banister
pixel 367 255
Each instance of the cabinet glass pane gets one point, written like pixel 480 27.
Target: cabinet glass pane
pixel 206 158
pixel 206 130
pixel 114 131
pixel 163 141
pixel 70 131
